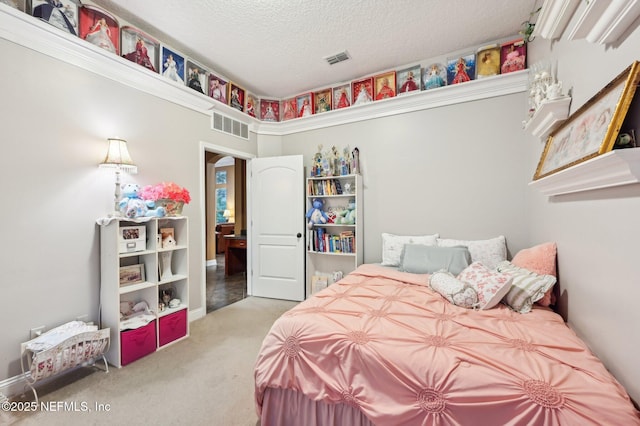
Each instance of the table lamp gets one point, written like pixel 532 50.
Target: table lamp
pixel 118 158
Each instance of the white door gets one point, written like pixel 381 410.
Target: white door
pixel 277 227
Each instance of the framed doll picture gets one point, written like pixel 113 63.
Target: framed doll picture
pixel 172 65
pixel 322 101
pixel 513 56
pixel 304 105
pixel 488 61
pixel 251 105
pixel 461 69
pixel 362 91
pixel 100 28
pixel 288 108
pixel 269 110
pixel 62 14
pixel 196 77
pixel 236 96
pixel 408 80
pixel 384 85
pixel 140 48
pixel 342 96
pixel 218 87
pixel 21 5
pixel 434 76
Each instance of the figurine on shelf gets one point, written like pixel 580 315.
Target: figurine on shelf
pixel 355 169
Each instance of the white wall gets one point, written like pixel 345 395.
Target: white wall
pixel 595 231
pixel 56 119
pixel 458 170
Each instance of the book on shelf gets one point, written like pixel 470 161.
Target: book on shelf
pixel 324 187
pixel 321 241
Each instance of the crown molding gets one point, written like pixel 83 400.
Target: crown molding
pixel 34 34
pixel 604 21
pixel 554 17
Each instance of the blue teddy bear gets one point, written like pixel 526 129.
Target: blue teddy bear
pixel 132 206
pixel 315 214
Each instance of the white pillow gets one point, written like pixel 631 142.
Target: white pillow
pixel 392 246
pixel 527 287
pixel 489 252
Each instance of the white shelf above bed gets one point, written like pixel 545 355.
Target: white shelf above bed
pixel 615 168
pixel 548 117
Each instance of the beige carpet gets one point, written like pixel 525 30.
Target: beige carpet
pixel 206 379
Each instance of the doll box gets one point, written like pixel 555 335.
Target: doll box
pixel 137 343
pixel 132 238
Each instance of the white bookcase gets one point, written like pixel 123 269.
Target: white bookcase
pixel 132 338
pixel 334 253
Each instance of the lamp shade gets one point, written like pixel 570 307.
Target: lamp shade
pixel 227 214
pixel 118 156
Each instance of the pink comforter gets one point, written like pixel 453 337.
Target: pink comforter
pixel 382 341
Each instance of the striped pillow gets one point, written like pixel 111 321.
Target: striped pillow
pixel 527 287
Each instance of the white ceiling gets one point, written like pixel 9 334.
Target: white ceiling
pixel 275 48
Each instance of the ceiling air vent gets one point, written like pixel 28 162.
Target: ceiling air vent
pixel 338 57
pixel 228 125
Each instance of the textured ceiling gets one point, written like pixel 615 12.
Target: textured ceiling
pixel 276 47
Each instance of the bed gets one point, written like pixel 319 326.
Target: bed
pixel 382 347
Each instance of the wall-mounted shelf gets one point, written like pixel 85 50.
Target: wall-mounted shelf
pixel 614 168
pixel 548 117
pixel 27 31
pixel 604 21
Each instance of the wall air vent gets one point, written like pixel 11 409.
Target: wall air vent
pixel 338 57
pixel 228 125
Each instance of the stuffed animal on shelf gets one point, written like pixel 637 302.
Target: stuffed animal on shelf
pixel 315 214
pixel 132 206
pixel 348 215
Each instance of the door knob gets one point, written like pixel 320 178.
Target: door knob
pixel 298 235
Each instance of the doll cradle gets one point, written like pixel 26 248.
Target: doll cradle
pixel 71 345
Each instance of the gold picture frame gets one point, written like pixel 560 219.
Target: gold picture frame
pixel 591 130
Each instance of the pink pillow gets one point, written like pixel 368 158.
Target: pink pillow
pixel 540 259
pixel 490 285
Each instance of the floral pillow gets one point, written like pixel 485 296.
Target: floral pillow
pixel 454 290
pixel 540 259
pixel 490 252
pixel 491 286
pixel 527 287
pixel 392 246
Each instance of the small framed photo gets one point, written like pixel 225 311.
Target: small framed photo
pixel 461 69
pixel 218 87
pixel 304 105
pixel 591 130
pixel 252 104
pixel 322 101
pixel 488 61
pixel 166 232
pixel 269 110
pixel 196 77
pixel 132 274
pixel 384 85
pixel 342 96
pixel 140 48
pixel 408 80
pixel 434 76
pixel 236 96
pixel 513 56
pixel 100 28
pixel 172 65
pixel 288 108
pixel 62 14
pixel 362 91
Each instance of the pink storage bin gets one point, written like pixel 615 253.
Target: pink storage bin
pixel 173 326
pixel 137 343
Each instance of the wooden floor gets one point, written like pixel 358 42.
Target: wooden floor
pixel 221 290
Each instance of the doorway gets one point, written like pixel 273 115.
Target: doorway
pixel 225 217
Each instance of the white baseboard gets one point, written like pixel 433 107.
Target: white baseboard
pixel 14 386
pixel 212 262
